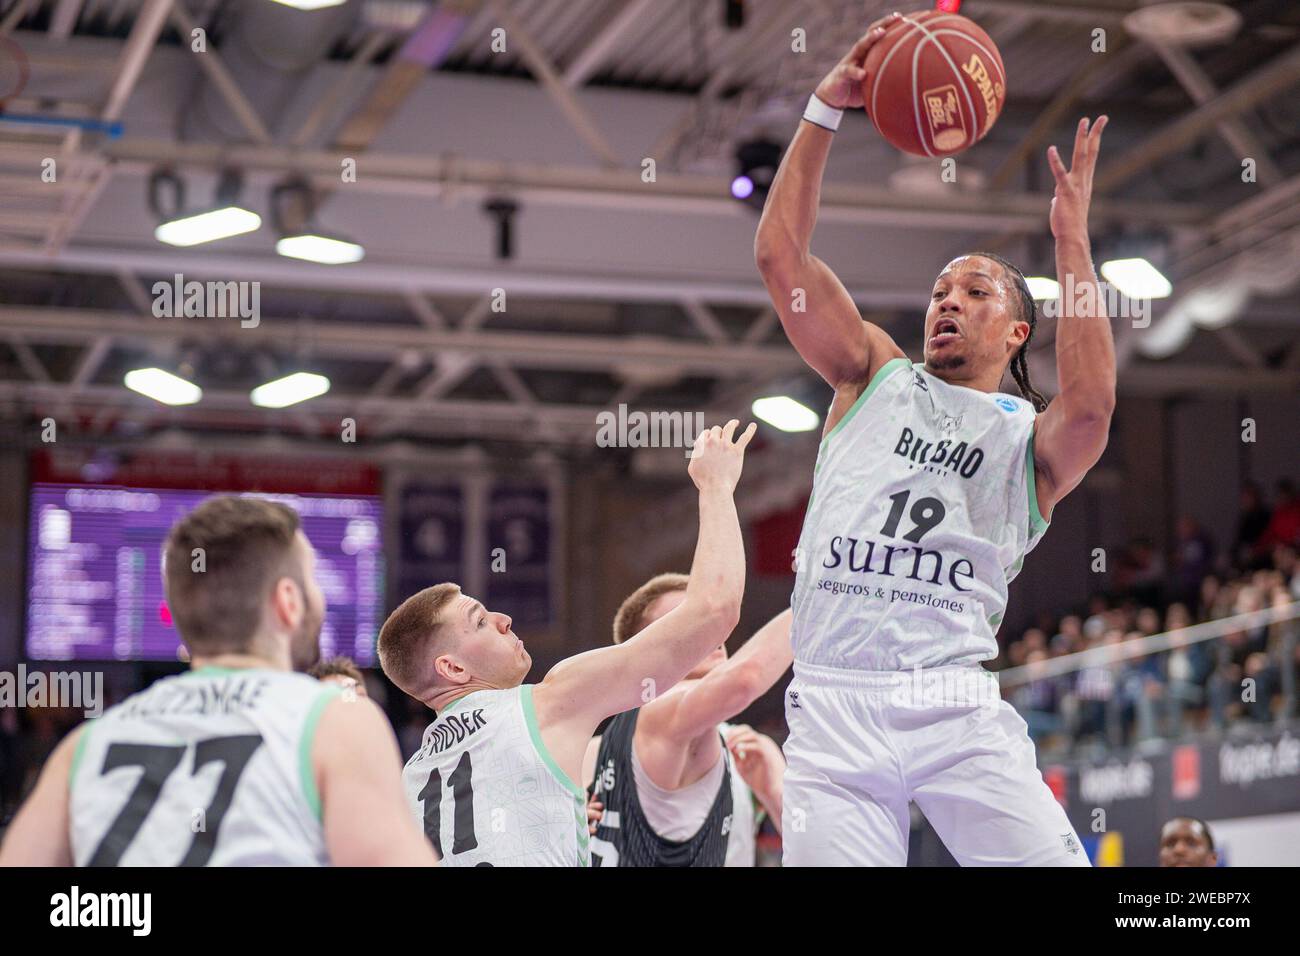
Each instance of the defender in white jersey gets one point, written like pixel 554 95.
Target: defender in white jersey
pixel 929 488
pixel 682 752
pixel 494 782
pixel 278 768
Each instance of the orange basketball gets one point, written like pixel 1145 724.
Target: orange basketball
pixel 935 84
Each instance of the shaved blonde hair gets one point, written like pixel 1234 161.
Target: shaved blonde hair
pixel 630 619
pixel 409 640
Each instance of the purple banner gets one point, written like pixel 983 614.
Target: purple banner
pixel 519 554
pixel 432 527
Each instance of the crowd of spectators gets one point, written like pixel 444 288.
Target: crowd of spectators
pixel 1246 674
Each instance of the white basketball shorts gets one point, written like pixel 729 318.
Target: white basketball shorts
pixel 864 744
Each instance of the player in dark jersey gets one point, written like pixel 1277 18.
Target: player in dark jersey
pixel 664 779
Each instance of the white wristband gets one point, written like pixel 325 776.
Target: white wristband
pixel 819 114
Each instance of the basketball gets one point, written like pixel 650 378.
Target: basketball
pixel 935 84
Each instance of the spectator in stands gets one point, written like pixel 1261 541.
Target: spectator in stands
pixel 1069 636
pixel 1193 558
pixel 1284 559
pixel 1226 692
pixel 1015 654
pixel 1094 626
pixel 1247 672
pixel 1284 525
pixel 1142 572
pixel 1285 638
pixel 1273 684
pixel 1253 518
pixel 1186 668
pixel 1093 696
pixel 1148 621
pixel 1037 702
pixel 1187 841
pixel 1208 599
pixel 1142 686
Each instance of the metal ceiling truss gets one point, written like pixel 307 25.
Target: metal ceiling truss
pixel 443 351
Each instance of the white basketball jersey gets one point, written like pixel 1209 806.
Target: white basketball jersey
pixel 487 792
pixel 922 510
pixel 212 767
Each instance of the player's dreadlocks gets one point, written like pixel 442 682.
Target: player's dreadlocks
pixel 1028 313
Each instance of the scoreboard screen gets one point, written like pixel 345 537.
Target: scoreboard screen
pixel 94 570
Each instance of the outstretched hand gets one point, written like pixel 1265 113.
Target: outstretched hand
pixel 1069 216
pixel 718 455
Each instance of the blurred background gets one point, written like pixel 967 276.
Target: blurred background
pixel 459 239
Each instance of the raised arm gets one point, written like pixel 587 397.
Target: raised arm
pixel 39 834
pixel 727 689
pixel 816 310
pixel 583 690
pixel 359 776
pixel 1071 434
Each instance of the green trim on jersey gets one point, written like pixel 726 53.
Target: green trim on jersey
pixel 453 705
pixel 1037 523
pixel 306 772
pixel 886 370
pixel 78 752
pixel 579 795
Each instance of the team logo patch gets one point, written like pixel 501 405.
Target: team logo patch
pixel 1071 844
pixel 1006 404
pixel 794 699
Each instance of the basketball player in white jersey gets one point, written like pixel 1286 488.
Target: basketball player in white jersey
pixel 239 761
pixel 664 780
pixel 930 486
pixel 494 782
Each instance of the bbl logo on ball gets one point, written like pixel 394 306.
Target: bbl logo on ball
pixel 947 126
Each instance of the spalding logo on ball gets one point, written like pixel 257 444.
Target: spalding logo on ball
pixel 935 84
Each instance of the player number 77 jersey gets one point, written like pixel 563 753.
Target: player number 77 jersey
pixel 208 768
pixel 486 791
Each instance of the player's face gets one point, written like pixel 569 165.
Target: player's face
pixel 304 647
pixel 1183 843
pixel 667 602
pixel 486 646
pixel 971 322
